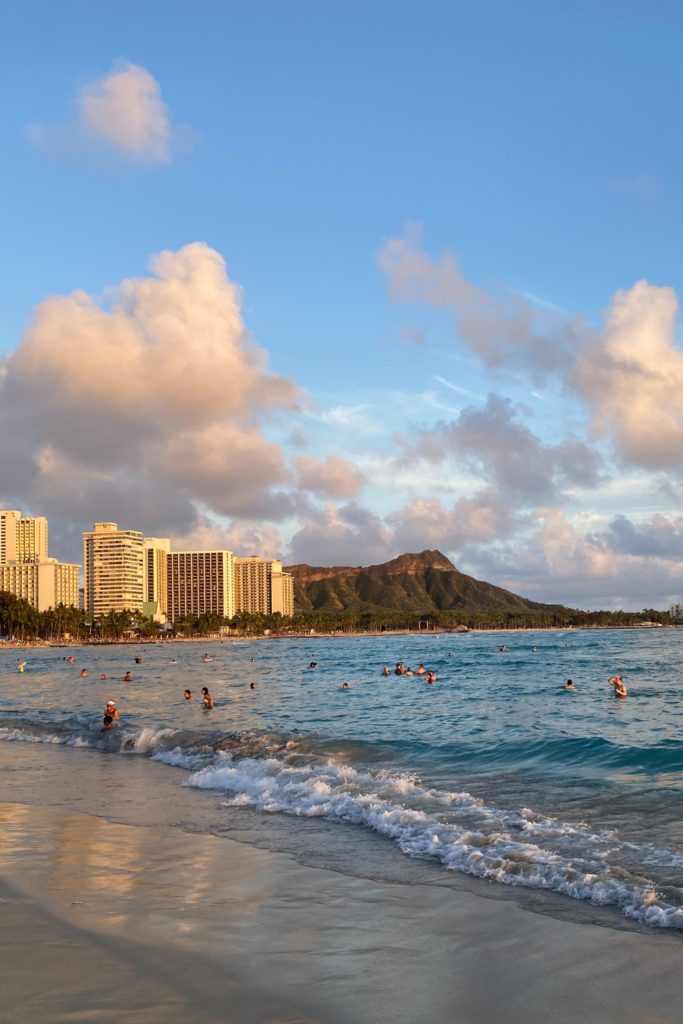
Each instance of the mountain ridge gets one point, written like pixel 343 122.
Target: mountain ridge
pixel 419 583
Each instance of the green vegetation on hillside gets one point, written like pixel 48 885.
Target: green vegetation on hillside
pixel 427 591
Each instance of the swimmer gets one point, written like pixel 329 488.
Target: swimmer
pixel 385 670
pixel 127 678
pixel 450 655
pixel 397 670
pixel 314 664
pixel 570 685
pixel 618 683
pixel 138 659
pixel 533 648
pixel 188 695
pixel 83 673
pixel 345 686
pixel 207 698
pixel 71 659
pixel 409 672
pixel 252 686
pixel 173 662
pixel 207 658
pixel 253 659
pixel 421 670
pixel 111 709
pixel 107 723
pixel 103 676
pixel 431 677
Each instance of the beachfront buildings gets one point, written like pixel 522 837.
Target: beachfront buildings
pixel 26 570
pixel 200 583
pixel 124 571
pixel 155 577
pixel 113 569
pixel 262 587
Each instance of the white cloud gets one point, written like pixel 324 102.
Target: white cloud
pixel 121 114
pixel 146 409
pixel 631 376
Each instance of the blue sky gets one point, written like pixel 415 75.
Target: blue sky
pixel 537 142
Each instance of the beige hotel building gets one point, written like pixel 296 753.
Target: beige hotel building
pixel 26 570
pixel 113 563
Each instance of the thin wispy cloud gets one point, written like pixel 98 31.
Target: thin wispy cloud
pixel 461 391
pixel 121 115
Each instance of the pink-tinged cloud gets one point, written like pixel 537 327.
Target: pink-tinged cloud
pixel 150 407
pixel 332 478
pixel 631 376
pixel 121 115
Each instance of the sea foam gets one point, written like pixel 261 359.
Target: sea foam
pixel 459 831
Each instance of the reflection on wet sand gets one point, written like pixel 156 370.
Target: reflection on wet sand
pixel 277 941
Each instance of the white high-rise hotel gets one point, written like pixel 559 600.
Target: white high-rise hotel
pixel 25 568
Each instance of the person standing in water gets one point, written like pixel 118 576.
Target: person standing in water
pixel 111 709
pixel 618 683
pixel 207 698
pixel 421 670
pixel 127 678
pixel 385 670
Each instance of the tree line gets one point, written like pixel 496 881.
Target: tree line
pixel 20 620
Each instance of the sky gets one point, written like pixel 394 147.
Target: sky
pixel 336 281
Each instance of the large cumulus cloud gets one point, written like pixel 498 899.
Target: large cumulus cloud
pixel 148 407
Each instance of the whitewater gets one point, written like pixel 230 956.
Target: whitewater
pixel 495 772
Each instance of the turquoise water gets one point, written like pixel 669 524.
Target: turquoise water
pixel 494 771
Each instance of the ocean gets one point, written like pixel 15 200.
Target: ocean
pixel 495 773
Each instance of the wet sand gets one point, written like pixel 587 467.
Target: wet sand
pixel 104 921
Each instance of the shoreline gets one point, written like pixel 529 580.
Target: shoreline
pixel 153 923
pixel 39 645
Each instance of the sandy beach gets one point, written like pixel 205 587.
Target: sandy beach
pixel 103 921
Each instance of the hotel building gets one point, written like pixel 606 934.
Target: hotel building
pixel 155 582
pixel 25 568
pixel 43 584
pixel 262 587
pixel 22 539
pixel 200 583
pixel 113 562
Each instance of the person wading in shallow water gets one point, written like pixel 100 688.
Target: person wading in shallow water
pixel 207 698
pixel 111 709
pixel 619 689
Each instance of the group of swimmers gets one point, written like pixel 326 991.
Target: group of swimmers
pixel 401 670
